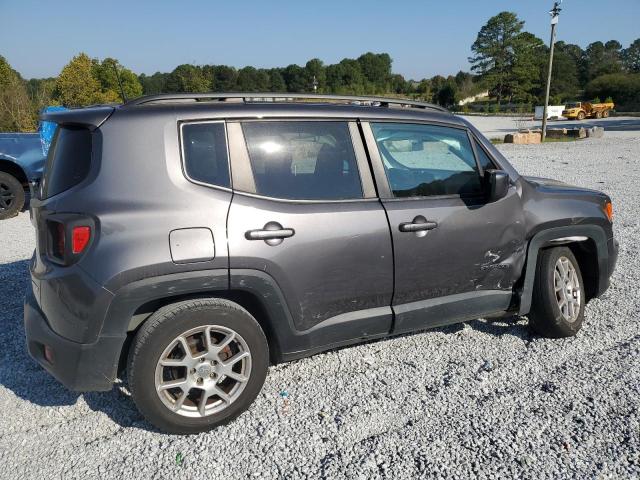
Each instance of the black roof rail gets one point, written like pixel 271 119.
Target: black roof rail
pixel 273 97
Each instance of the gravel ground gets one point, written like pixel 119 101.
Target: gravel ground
pixel 481 399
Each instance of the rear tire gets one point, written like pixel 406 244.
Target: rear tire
pixel 215 381
pixel 11 196
pixel 598 115
pixel 557 308
pixel 605 114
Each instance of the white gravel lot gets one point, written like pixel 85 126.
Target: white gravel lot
pixel 481 399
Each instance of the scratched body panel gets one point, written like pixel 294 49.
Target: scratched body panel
pixel 477 246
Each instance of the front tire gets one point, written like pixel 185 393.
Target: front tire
pixel 197 364
pixel 557 308
pixel 11 196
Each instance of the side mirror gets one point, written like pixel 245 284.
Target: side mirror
pixel 497 184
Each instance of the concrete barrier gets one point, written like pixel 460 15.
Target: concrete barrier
pixel 523 138
pixel 595 132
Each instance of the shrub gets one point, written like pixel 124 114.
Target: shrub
pixel 622 88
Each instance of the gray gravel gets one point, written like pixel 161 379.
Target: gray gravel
pixel 482 399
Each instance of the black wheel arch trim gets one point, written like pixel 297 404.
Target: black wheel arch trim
pixel 545 239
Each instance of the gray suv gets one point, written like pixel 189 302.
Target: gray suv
pixel 193 240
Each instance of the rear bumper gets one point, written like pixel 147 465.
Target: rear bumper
pixel 78 366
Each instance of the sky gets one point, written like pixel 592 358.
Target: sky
pixel 424 38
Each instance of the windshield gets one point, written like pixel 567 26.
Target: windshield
pixel 573 105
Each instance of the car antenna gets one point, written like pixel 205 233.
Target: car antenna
pixel 122 94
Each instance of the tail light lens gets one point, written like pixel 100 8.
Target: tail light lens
pixel 80 237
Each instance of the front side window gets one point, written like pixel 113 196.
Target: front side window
pixel 303 160
pixel 427 160
pixel 205 153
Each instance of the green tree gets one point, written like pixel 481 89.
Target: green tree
pixel 154 84
pixel 76 86
pixel 225 79
pixel 376 69
pixel 276 81
pixel 16 111
pixel 565 82
pixel 41 91
pixel 631 57
pixel 446 96
pixel 105 72
pixel 314 68
pixel 295 78
pixel 528 61
pixel 495 51
pixel 602 59
pixel 188 78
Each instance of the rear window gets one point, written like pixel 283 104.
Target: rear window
pixel 68 161
pixel 205 153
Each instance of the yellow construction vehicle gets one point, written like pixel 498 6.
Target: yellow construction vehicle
pixel 582 110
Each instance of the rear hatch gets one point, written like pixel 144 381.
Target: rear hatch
pixel 68 167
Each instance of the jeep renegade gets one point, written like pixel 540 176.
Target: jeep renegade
pixel 195 239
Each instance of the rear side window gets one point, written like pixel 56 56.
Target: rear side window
pixel 68 160
pixel 205 153
pixel 427 160
pixel 303 160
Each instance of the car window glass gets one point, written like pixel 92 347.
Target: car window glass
pixel 424 160
pixel 483 158
pixel 68 161
pixel 205 153
pixel 303 160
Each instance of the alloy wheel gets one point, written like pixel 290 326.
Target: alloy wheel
pixel 203 371
pixel 567 289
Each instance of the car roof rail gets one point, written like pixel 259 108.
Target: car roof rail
pixel 280 97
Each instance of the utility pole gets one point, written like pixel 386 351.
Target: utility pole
pixel 555 14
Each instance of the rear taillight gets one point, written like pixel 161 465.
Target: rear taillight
pixel 69 237
pixel 80 237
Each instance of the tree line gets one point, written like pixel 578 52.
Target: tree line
pixel 508 61
pixel 513 64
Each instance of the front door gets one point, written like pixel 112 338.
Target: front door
pixel 310 220
pixel 457 255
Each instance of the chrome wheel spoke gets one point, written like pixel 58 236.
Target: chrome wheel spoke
pixel 202 404
pixel 235 359
pixel 172 362
pixel 227 340
pixel 172 384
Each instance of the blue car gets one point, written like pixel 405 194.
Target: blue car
pixel 21 162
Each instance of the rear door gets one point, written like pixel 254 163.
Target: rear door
pixel 457 255
pixel 305 212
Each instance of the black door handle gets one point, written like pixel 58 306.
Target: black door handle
pixel 272 233
pixel 417 227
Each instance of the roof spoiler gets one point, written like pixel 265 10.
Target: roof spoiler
pixel 90 117
pixel 282 97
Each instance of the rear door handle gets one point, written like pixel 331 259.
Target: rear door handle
pixel 272 233
pixel 269 234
